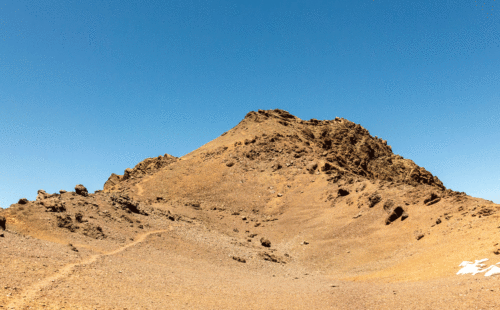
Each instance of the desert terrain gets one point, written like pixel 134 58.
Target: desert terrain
pixel 276 213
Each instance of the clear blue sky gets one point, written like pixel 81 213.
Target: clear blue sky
pixel 88 88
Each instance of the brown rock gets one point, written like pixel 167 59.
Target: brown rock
pixel 418 234
pixel 42 195
pixel 93 231
pixel 66 222
pixel 129 204
pixel 3 222
pixel 388 206
pixel 113 180
pixel 395 214
pixel 432 199
pixel 79 217
pixel 239 259
pixel 81 190
pixel 312 167
pixel 342 192
pixel 276 166
pixel 53 205
pixel 127 174
pixel 265 242
pixel 271 257
pixel 374 199
pixel 23 201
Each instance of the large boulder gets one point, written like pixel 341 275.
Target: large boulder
pixel 342 192
pixel 432 199
pixel 23 201
pixel 81 190
pixel 396 213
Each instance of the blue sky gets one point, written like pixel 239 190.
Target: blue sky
pixel 88 88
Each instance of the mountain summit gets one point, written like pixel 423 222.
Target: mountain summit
pixel 268 144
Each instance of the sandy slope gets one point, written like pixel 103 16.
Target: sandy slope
pixel 188 233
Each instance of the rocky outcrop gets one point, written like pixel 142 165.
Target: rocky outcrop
pixel 145 167
pixel 67 223
pixel 128 204
pixel 53 205
pixel 338 147
pixel 41 194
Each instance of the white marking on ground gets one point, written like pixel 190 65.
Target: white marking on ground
pixel 478 267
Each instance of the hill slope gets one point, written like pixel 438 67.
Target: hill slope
pixel 277 207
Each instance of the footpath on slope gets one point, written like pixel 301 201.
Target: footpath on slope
pixel 30 293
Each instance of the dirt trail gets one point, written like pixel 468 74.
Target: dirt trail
pixel 30 293
pixel 140 189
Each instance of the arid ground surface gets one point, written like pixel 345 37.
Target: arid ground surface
pixel 277 213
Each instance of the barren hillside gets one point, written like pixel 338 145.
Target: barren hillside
pixel 276 213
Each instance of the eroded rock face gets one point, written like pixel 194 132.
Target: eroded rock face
pixel 127 173
pixel 93 231
pixel 113 180
pixel 53 205
pixel 66 222
pixel 344 145
pixel 42 195
pixel 128 204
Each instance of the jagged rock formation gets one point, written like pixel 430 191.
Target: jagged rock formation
pixel 145 167
pixel 337 147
